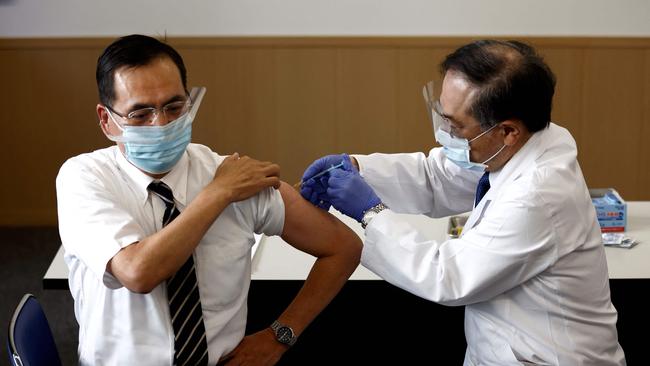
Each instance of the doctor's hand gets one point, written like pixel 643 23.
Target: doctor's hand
pixel 314 187
pixel 349 193
pixel 260 348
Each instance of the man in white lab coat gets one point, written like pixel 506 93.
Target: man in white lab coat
pixel 530 265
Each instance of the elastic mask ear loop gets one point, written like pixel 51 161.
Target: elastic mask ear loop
pixel 495 154
pixel 483 133
pixel 115 138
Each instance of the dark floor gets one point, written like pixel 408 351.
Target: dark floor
pixel 26 255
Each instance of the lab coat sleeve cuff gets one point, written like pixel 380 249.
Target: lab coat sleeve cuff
pixel 360 159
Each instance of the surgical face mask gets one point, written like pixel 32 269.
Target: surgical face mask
pixel 457 149
pixel 156 149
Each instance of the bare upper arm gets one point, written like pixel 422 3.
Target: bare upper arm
pixel 313 230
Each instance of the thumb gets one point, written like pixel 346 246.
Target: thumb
pixel 347 163
pixel 234 156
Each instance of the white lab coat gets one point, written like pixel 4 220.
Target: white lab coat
pixel 530 266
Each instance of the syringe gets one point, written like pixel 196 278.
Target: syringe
pixel 299 184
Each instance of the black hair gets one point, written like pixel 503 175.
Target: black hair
pixel 513 82
pixel 131 51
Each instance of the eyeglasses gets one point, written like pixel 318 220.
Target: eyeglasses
pixel 440 120
pixel 144 116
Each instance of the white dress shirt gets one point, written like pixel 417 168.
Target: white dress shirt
pixel 103 206
pixel 530 265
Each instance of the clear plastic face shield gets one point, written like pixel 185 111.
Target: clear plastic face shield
pixel 437 120
pixel 455 148
pixel 143 132
pixel 153 148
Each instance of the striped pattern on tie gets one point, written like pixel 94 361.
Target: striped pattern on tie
pixel 190 345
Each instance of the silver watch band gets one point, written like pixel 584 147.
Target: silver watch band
pixel 283 333
pixel 370 213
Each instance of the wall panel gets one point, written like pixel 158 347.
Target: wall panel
pixel 290 100
pixel 612 109
pixel 367 91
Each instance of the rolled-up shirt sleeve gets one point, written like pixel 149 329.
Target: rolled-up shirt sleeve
pixel 269 212
pixel 92 224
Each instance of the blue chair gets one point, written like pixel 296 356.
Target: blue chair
pixel 30 337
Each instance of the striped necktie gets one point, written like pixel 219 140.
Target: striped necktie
pixel 190 344
pixel 482 188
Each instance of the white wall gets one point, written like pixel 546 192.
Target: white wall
pixel 62 18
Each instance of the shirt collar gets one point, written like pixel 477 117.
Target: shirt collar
pixel 176 179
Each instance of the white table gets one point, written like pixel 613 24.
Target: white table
pixel 276 260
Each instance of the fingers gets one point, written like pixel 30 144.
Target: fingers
pixel 313 169
pixel 272 181
pixel 270 169
pixel 272 172
pixel 338 178
pixel 321 164
pixel 243 176
pixel 315 191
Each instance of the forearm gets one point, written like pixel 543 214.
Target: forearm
pixel 336 246
pixel 143 265
pixel 325 280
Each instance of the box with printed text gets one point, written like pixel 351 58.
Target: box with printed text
pixel 611 209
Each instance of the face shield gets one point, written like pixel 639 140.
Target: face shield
pixel 433 107
pixel 455 148
pixel 156 149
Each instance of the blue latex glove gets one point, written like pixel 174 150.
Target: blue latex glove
pixel 315 190
pixel 350 194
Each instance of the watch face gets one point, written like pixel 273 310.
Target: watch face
pixel 284 334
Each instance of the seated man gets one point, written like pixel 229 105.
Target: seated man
pixel 158 231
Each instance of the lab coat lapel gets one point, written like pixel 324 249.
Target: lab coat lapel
pixel 522 160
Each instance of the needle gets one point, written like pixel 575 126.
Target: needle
pixel 299 184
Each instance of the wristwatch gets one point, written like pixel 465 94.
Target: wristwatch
pixel 370 213
pixel 283 333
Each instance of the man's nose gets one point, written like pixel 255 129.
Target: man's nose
pixel 159 118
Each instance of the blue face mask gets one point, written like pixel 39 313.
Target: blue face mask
pixel 457 149
pixel 157 149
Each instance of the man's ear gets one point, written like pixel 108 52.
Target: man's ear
pixel 513 132
pixel 102 114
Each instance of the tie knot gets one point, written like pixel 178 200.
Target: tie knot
pixel 163 191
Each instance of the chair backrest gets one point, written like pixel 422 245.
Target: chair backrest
pixel 30 338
